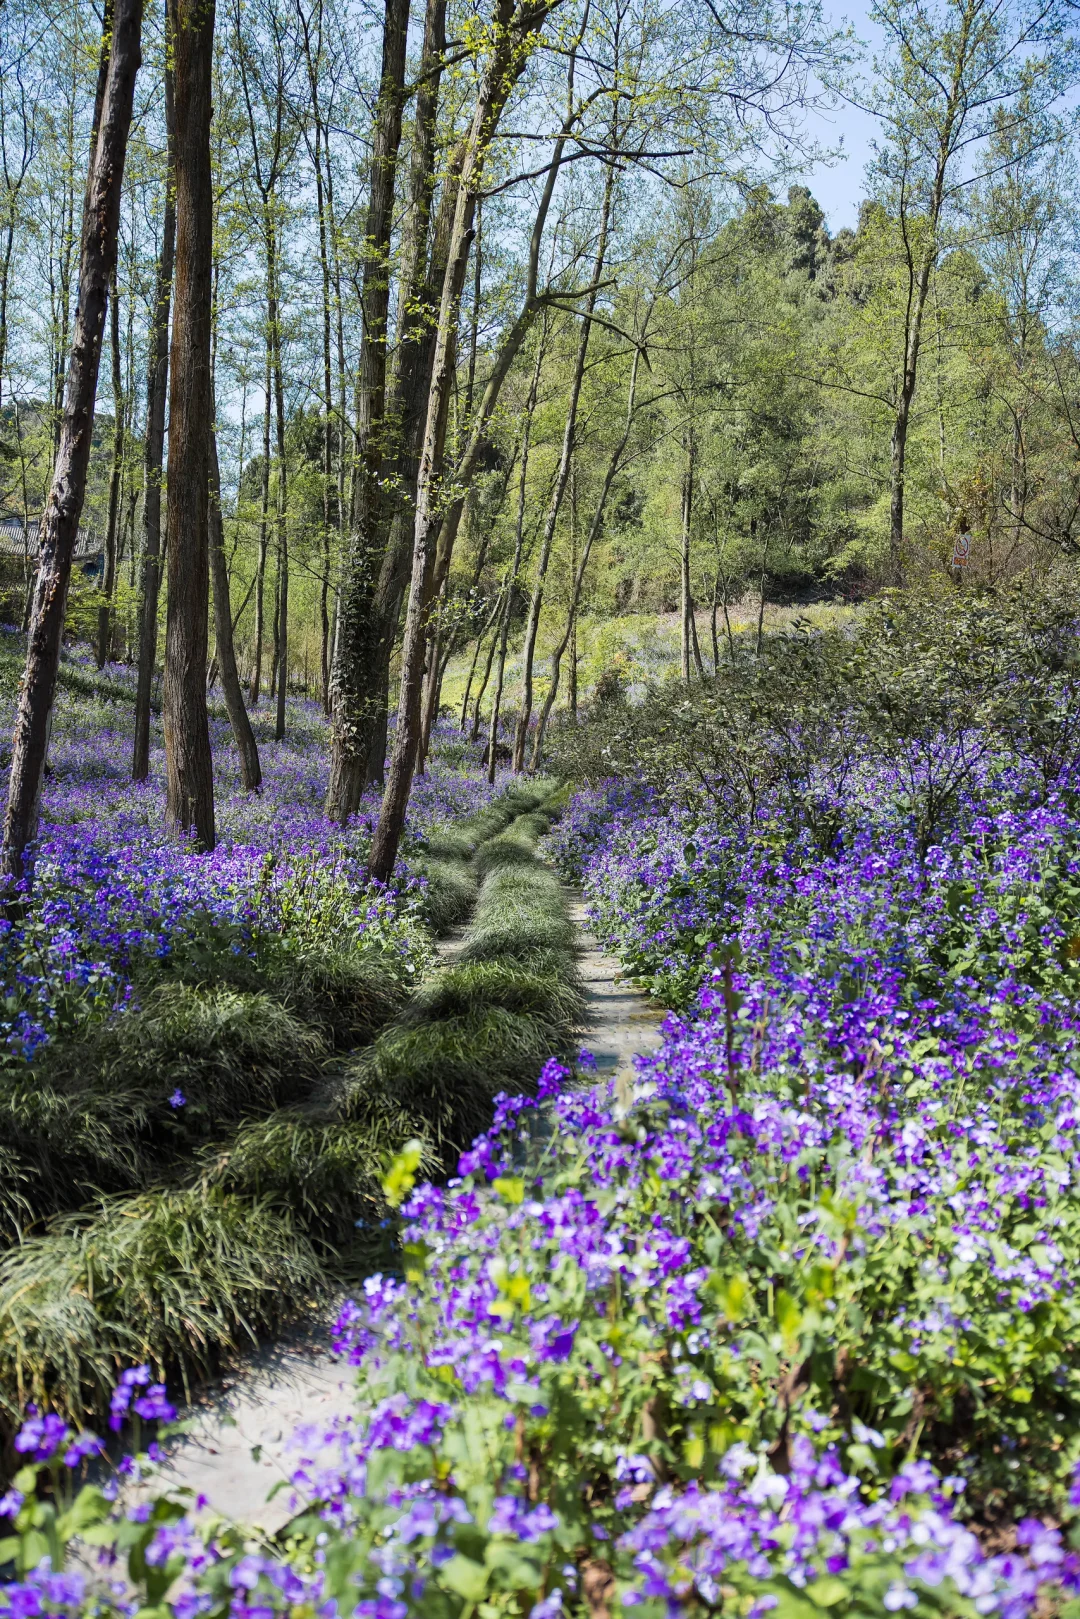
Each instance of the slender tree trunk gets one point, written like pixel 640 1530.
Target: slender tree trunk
pixel 472 675
pixel 60 520
pixel 264 529
pixel 112 521
pixel 225 650
pixel 536 603
pixel 686 600
pixel 353 649
pixel 282 635
pixel 761 594
pixel 441 651
pixel 328 390
pixel 515 565
pixel 512 38
pixel 474 734
pixel 189 805
pixel 157 384
pixel 595 530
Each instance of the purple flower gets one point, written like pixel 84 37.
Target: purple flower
pixel 40 1437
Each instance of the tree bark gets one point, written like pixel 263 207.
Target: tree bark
pixel 513 35
pixel 595 530
pixel 281 637
pixel 353 650
pixel 60 520
pixel 225 648
pixel 515 565
pixel 157 382
pixel 112 521
pixel 189 803
pixel 689 623
pixel 264 529
pixel 566 455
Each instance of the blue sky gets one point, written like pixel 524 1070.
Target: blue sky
pixel 840 186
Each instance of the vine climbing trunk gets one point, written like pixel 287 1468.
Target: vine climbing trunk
pixel 119 65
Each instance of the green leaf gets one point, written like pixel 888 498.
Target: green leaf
pixel 827 1592
pixel 467 1578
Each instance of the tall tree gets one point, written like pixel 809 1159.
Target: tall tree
pixel 562 475
pixel 225 651
pixel 112 520
pixel 157 387
pixel 349 689
pixel 511 40
pixel 120 60
pixel 956 70
pixel 189 805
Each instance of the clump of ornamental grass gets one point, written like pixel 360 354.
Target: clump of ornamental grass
pixel 553 998
pixel 521 910
pixel 347 995
pixel 451 842
pixel 451 889
pixel 170 1277
pixel 509 848
pixel 446 1074
pixel 63 1146
pixel 326 1173
pixel 225 1052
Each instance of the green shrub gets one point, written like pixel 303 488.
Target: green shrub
pixel 450 841
pixel 169 1277
pixel 226 1052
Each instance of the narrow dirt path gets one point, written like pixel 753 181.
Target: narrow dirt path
pixel 247 1430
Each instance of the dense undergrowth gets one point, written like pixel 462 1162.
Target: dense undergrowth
pixel 184 1159
pixel 789 1323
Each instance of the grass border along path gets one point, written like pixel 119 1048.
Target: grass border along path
pixel 195 1261
pixel 487 1021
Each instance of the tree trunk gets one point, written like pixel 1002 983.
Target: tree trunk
pixel 536 603
pixel 264 529
pixel 474 734
pixel 353 648
pixel 225 649
pixel 686 599
pixel 60 520
pixel 157 382
pixel 282 632
pixel 515 565
pixel 328 386
pixel 512 37
pixel 112 522
pixel 595 530
pixel 189 803
pixel 441 652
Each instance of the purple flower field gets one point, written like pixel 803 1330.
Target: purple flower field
pixel 788 1321
pixel 113 892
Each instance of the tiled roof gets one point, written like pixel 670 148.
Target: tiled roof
pixel 15 543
